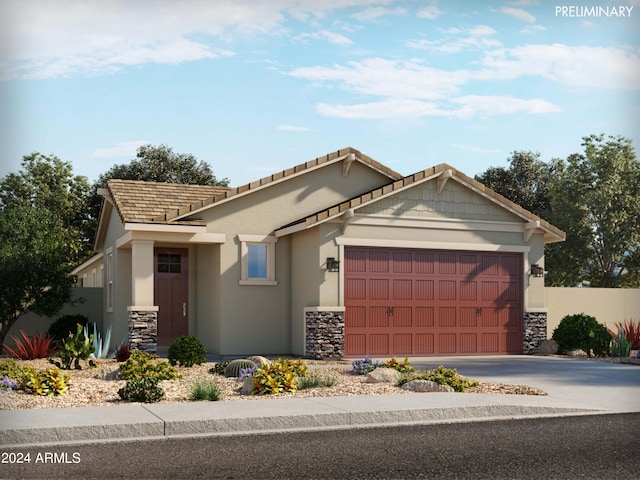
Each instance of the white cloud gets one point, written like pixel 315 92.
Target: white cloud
pixel 490 105
pixel 600 67
pixel 331 37
pixel 430 12
pixel 474 37
pixel 518 13
pixel 390 108
pixel 43 39
pixel 292 128
pixel 125 149
pixel 387 78
pixel 373 13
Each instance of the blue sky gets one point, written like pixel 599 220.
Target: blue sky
pixel 254 87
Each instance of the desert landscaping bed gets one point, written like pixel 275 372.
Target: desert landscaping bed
pixel 94 387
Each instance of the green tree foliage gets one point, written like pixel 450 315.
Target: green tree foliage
pixel 596 200
pixel 155 164
pixel 36 257
pixel 526 181
pixel 48 182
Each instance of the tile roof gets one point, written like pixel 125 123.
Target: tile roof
pixel 141 202
pixel 393 187
pixel 180 210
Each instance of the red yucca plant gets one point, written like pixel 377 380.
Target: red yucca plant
pixel 29 348
pixel 123 353
pixel 631 331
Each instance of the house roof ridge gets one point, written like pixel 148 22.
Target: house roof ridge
pixel 392 187
pixel 175 213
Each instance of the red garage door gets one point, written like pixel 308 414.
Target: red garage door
pixel 432 302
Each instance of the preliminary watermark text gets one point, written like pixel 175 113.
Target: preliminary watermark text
pixel 579 11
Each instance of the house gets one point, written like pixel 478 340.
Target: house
pixel 336 257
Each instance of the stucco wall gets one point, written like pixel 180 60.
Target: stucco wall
pixel 607 305
pixel 88 302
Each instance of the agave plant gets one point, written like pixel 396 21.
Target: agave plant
pixel 28 348
pixel 101 344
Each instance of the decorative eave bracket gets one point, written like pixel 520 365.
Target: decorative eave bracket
pixel 346 163
pixel 347 216
pixel 443 178
pixel 529 229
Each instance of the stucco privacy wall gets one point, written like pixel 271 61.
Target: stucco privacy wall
pixel 607 305
pixel 84 301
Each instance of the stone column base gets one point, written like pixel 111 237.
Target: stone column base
pixel 324 332
pixel 535 331
pixel 143 329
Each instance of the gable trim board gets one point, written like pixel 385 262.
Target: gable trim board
pixel 355 203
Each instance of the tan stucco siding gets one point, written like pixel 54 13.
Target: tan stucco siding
pixel 455 201
pixel 206 290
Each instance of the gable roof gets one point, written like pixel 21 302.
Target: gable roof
pixel 140 202
pixel 441 171
pixel 178 211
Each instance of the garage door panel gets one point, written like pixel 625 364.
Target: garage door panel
pixel 447 316
pixel 430 302
pixel 447 343
pixel 402 344
pixel 402 317
pixel 402 289
pixel 378 344
pixel 447 290
pixel 424 316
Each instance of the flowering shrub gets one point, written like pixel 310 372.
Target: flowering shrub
pixel 279 377
pixel 364 366
pixel 10 368
pixel 48 382
pixel 74 348
pixel 7 384
pixel 247 372
pixel 402 367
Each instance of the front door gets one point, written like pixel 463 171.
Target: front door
pixel 171 293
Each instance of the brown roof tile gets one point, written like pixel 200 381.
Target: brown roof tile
pixel 145 202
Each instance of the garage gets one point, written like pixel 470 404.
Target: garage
pixel 415 302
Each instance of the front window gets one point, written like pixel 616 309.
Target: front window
pixel 257 260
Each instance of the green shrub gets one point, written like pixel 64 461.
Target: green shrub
pixel 75 347
pixel 314 380
pixel 187 351
pixel 620 346
pixel 234 366
pixel 402 367
pixel 142 365
pixel 11 369
pixel 48 382
pixel 279 377
pixel 583 332
pixel 142 390
pixel 443 376
pixel 205 389
pixel 65 325
pixel 219 367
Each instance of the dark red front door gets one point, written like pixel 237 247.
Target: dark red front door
pixel 171 293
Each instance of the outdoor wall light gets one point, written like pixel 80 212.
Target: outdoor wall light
pixel 537 270
pixel 333 265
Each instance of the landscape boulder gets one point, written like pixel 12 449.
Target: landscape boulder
pixel 247 386
pixel 577 353
pixel 383 375
pixel 426 386
pixel 259 360
pixel 548 347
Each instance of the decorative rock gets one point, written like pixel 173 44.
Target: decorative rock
pixel 576 353
pixel 107 374
pixel 548 347
pixel 247 386
pixel 383 375
pixel 259 360
pixel 426 386
pixel 534 331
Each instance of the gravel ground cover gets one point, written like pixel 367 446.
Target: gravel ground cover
pixel 93 386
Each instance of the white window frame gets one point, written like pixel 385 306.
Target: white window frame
pixel 270 243
pixel 110 279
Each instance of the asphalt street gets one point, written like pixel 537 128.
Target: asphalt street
pixel 593 446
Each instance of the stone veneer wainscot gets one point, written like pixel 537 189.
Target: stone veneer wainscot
pixel 324 329
pixel 143 329
pixel 534 331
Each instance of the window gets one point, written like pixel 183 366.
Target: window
pixel 169 263
pixel 257 260
pixel 110 280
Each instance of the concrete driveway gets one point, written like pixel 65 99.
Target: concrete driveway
pixel 571 382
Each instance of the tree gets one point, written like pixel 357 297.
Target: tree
pixel 526 181
pixel 155 164
pixel 36 259
pixel 596 201
pixel 48 182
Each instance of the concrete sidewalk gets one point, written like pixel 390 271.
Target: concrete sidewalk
pixel 575 387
